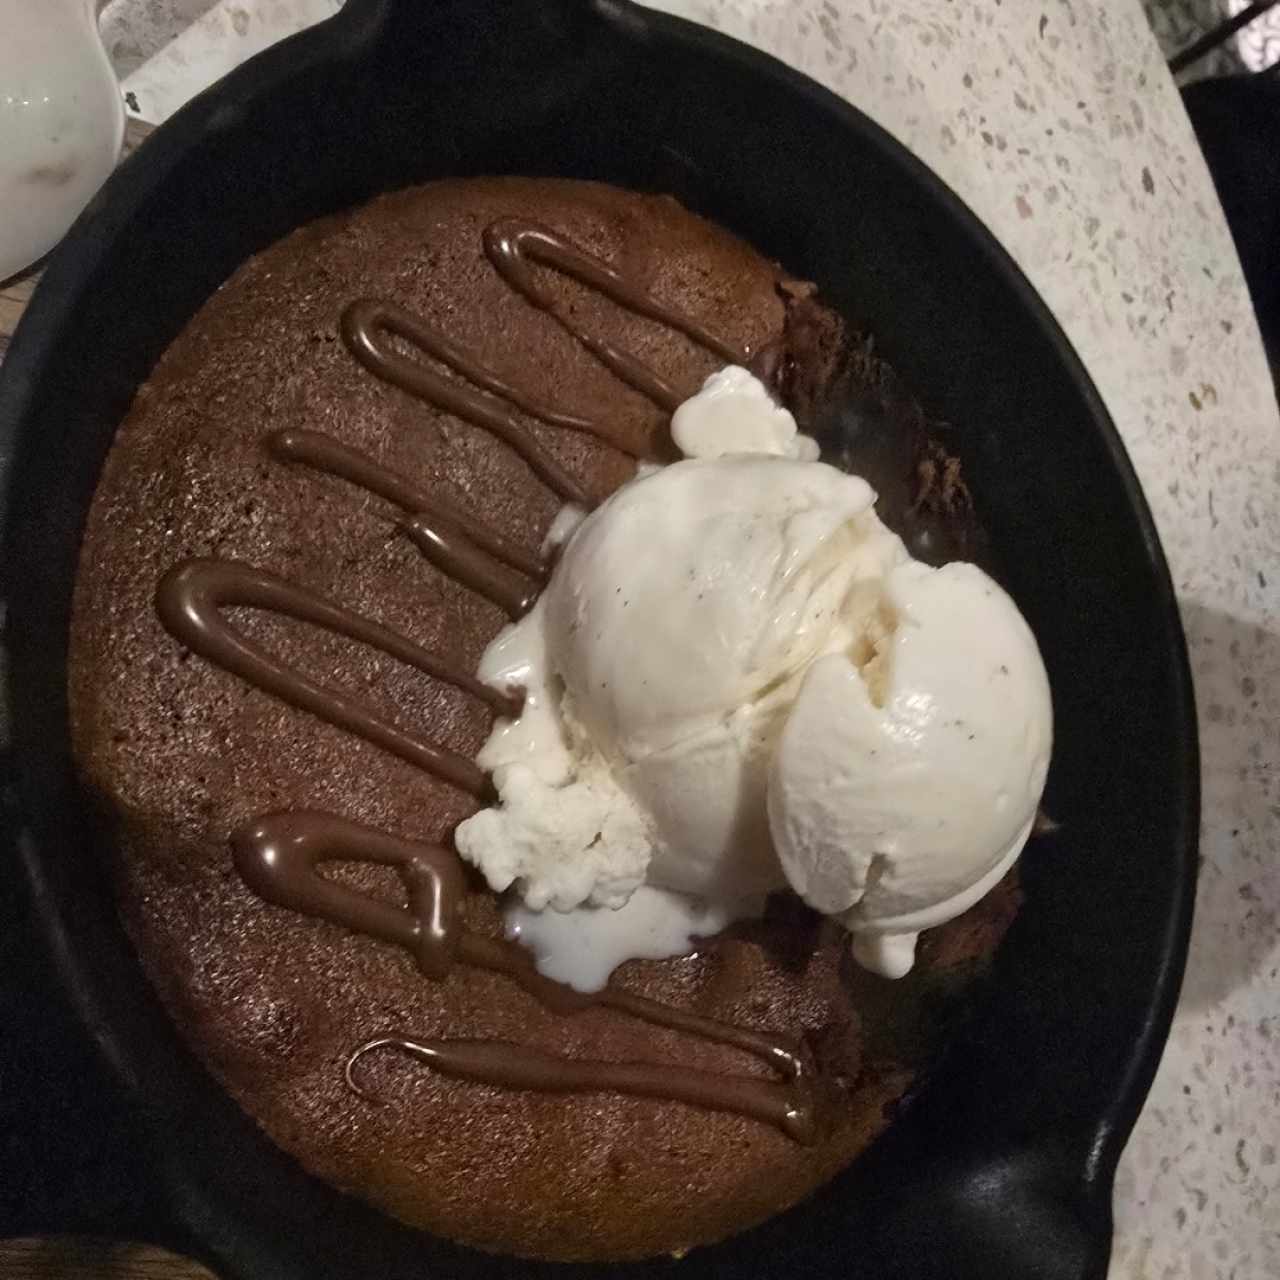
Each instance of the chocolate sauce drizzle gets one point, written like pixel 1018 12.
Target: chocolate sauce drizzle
pixel 367 327
pixel 191 599
pixel 456 543
pixel 515 1066
pixel 279 856
pixel 512 244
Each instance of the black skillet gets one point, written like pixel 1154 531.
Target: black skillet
pixel 1003 1165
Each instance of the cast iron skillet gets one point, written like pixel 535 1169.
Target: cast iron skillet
pixel 1003 1165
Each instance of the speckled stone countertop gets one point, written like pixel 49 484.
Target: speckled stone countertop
pixel 1059 125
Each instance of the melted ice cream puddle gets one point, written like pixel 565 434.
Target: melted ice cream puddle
pixel 582 947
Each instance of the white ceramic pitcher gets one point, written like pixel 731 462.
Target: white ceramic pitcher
pixel 61 122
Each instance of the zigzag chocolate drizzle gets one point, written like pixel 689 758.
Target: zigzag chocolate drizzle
pixel 513 243
pixel 457 544
pixel 278 854
pixel 367 326
pixel 191 599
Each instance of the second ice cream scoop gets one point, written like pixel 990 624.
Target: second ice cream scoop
pixel 903 786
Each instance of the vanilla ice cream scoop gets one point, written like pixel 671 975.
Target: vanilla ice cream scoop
pixel 693 591
pixel 903 786
pixel 663 655
pixel 738 680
